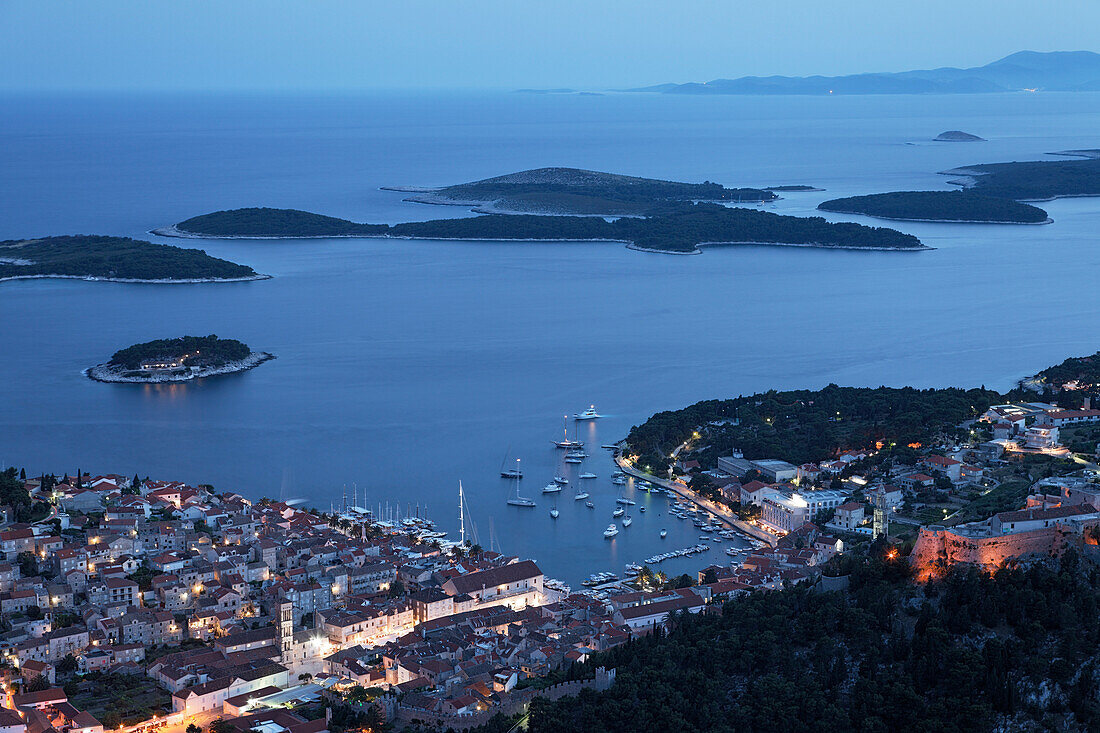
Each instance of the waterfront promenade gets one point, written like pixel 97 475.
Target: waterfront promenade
pixel 713 508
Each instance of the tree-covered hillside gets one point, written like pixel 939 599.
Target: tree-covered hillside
pixel 113 257
pixel 807 425
pixel 938 206
pixel 1013 651
pixel 199 351
pixel 679 228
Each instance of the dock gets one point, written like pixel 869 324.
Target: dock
pixel 715 510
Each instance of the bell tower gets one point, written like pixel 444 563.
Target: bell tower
pixel 286 629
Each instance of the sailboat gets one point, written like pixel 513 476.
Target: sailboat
pixel 577 496
pixel 566 443
pixel 518 500
pixel 510 472
pixel 554 512
pixel 587 475
pixel 551 488
pixel 627 521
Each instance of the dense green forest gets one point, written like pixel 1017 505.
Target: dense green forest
pixel 1036 179
pixel 113 257
pixel 1085 370
pixel 265 222
pixel 966 653
pixel 806 425
pixel 14 494
pixel 199 351
pixel 679 229
pixel 937 205
pixel 576 191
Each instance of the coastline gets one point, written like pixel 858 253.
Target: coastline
pixel 970 177
pixel 108 374
pixel 1048 220
pixel 164 281
pixel 164 232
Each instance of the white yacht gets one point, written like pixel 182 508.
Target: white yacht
pixel 627 521
pixel 618 512
pixel 590 505
pixel 624 500
pixel 576 453
pixel 587 475
pixel 551 488
pixel 589 414
pixel 573 459
pixel 619 480
pixel 581 495
pixel 561 480
pixel 611 531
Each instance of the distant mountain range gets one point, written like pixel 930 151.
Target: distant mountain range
pixel 1057 71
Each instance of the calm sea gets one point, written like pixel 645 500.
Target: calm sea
pixel 404 367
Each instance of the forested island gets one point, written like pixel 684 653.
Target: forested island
pixel 178 360
pixel 1035 180
pixel 1015 650
pixel 119 259
pixel 680 230
pixel 958 136
pixel 575 191
pixel 947 206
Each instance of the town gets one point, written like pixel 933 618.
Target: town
pixel 214 612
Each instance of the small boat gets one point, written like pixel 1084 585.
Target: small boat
pixel 561 480
pixel 582 495
pixel 609 447
pixel 576 454
pixel 566 443
pixel 627 521
pixel 664 533
pixel 589 414
pixel 624 500
pixel 587 475
pixel 619 481
pixel 618 512
pixel 551 488
pixel 641 509
pixel 554 513
pixel 611 531
pixel 573 459
pixel 510 472
pixel 521 501
pixel 590 505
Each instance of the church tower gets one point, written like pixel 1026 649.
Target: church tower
pixel 286 629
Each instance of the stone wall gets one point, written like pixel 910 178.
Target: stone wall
pixel 938 548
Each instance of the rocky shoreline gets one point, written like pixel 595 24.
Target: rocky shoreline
pixel 1048 220
pixel 118 375
pixel 164 281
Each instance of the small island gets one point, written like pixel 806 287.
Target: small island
pixel 940 206
pixel 1035 180
pixel 177 360
pixel 577 192
pixel 958 136
pixel 114 259
pixel 682 229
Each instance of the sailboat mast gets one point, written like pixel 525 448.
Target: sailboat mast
pixel 461 517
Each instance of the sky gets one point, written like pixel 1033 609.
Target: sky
pixel 229 45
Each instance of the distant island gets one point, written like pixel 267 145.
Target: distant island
pixel 574 191
pixel 1025 71
pixel 116 259
pixel 681 230
pixel 958 136
pixel 1036 180
pixel 944 206
pixel 177 360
